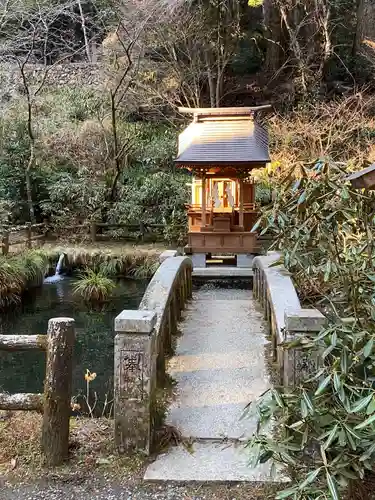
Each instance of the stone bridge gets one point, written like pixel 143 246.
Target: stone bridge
pixel 223 349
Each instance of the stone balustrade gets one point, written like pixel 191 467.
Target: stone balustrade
pixel 274 289
pixel 143 340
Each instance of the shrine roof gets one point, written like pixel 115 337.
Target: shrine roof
pixel 223 136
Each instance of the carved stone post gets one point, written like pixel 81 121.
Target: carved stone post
pixel 299 364
pixel 134 380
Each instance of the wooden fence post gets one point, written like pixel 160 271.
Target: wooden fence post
pixel 93 232
pixel 58 390
pixel 142 230
pixel 28 235
pixel 5 243
pixel 45 231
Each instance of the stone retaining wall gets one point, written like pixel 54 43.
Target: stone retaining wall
pixel 60 75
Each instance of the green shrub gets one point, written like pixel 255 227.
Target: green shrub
pixel 326 425
pixel 94 286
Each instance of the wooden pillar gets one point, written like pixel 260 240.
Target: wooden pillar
pixel 28 235
pixel 252 193
pixel 5 243
pixel 241 202
pixel 203 201
pixel 93 232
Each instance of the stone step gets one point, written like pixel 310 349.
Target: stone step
pixel 209 462
pixel 222 272
pixel 210 293
pixel 212 422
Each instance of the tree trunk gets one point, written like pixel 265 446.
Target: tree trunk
pixel 272 21
pixel 365 33
pixel 219 86
pixel 84 31
pixel 210 78
pixel 29 193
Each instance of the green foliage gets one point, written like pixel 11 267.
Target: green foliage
pixel 73 144
pixel 155 198
pixel 325 230
pixel 94 286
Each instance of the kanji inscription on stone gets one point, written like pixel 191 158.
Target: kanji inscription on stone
pixel 132 374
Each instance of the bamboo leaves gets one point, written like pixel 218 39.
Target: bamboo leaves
pixel 326 232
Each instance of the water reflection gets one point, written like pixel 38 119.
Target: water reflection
pixel 24 372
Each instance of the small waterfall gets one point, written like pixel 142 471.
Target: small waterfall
pixel 57 276
pixel 60 264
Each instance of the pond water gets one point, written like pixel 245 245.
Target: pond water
pixel 24 371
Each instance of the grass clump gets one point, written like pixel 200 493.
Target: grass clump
pixel 112 262
pixel 11 282
pixel 19 272
pixel 34 264
pixel 145 268
pixel 94 286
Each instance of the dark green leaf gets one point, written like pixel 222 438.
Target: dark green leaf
pixel 304 409
pixel 278 398
pixel 361 404
pixel 302 198
pixel 265 457
pixel 328 351
pixel 311 476
pixel 366 423
pixel 308 402
pixel 368 453
pixel 332 486
pixel 367 350
pixel 344 362
pixel 371 407
pixel 332 435
pixel 285 494
pixel 337 382
pixel 323 384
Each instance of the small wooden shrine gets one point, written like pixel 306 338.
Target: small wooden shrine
pixel 220 148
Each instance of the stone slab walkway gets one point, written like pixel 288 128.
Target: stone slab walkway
pixel 220 367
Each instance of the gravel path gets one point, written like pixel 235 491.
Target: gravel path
pixel 101 488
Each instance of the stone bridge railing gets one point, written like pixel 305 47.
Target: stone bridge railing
pixel 275 290
pixel 143 339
